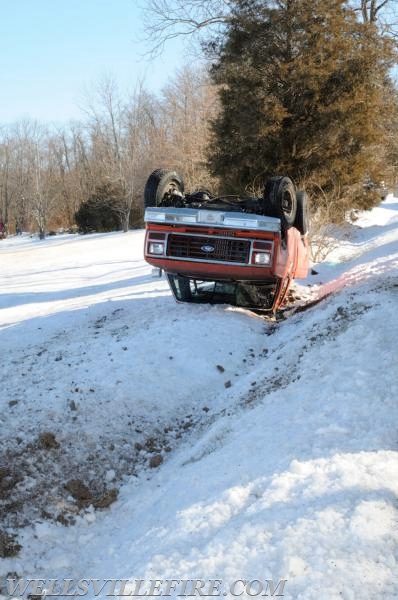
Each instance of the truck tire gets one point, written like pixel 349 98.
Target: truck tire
pixel 160 188
pixel 302 221
pixel 280 196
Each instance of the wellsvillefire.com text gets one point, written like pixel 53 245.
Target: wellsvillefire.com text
pixel 47 588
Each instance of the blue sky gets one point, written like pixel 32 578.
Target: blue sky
pixel 52 50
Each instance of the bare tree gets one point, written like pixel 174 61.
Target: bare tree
pixel 36 193
pixel 6 189
pixel 201 20
pixel 189 102
pixel 22 134
pixel 46 174
pixel 370 9
pixel 132 156
pixel 118 131
pixel 43 184
pixel 165 20
pixel 382 13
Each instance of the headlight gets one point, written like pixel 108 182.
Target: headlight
pixel 262 258
pixel 156 248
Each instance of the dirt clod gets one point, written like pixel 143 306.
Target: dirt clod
pixel 47 440
pixel 151 445
pixel 8 545
pixel 156 461
pixel 79 491
pixel 107 499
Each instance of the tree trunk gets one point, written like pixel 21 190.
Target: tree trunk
pixel 126 220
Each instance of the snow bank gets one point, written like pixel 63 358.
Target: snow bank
pixel 287 472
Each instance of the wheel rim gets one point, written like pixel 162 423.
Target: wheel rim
pixel 171 189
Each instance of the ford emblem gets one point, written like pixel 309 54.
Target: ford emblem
pixel 207 248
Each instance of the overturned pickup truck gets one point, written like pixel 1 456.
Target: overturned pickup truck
pixel 227 249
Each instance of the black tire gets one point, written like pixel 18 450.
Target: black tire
pixel 280 200
pixel 302 221
pixel 160 187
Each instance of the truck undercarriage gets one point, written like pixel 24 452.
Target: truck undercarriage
pixel 240 251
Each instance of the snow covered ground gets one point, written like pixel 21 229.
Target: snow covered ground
pixel 141 439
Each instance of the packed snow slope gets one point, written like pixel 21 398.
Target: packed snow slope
pixel 275 444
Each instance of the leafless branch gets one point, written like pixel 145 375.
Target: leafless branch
pixel 165 20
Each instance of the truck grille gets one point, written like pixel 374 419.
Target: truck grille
pixel 208 248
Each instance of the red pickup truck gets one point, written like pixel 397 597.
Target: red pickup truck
pixel 242 251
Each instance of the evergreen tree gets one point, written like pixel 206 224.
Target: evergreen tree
pixel 302 91
pixel 102 210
